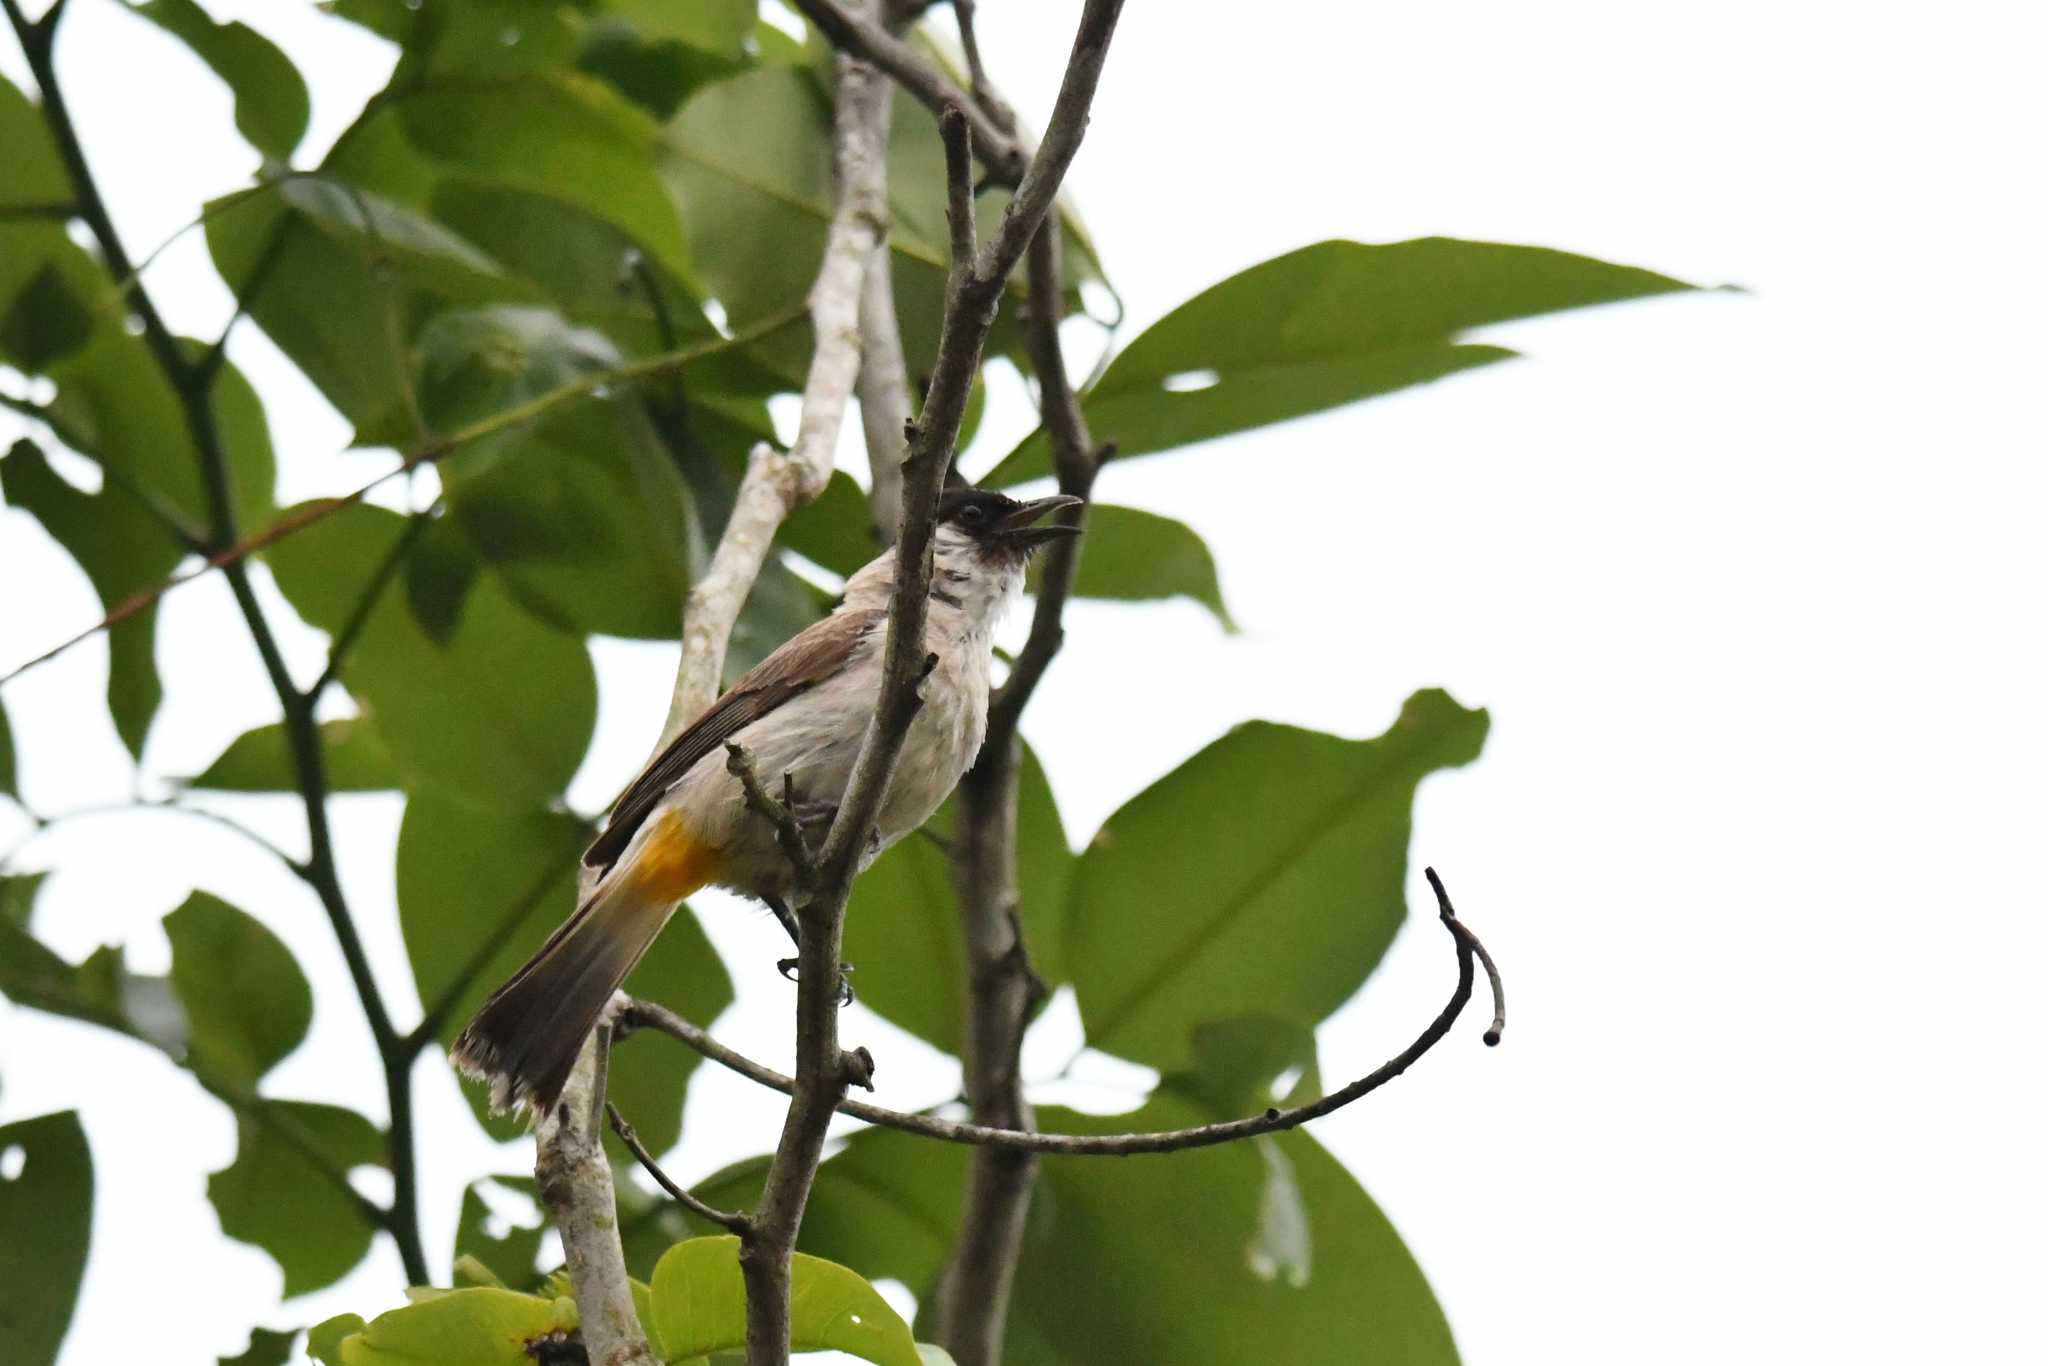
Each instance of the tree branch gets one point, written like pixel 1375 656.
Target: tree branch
pixel 884 391
pixel 777 483
pixel 636 1015
pixel 575 1180
pixel 862 37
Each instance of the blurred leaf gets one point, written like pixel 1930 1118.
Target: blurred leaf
pixel 555 133
pixel 1323 326
pixel 99 991
pixel 476 362
pixel 324 1339
pixel 903 922
pixel 1288 1257
pixel 18 897
pixel 245 999
pixel 587 521
pixel 719 26
pixel 271 105
pixel 1182 911
pixel 46 315
pixel 35 173
pixel 833 532
pixel 10 781
pixel 267 1347
pixel 511 1257
pixel 46 1208
pixel 482 1326
pixel 261 761
pixel 275 1196
pixel 1234 1063
pixel 123 549
pixel 780 605
pixel 700 1306
pixel 479 888
pixel 502 709
pixel 1135 556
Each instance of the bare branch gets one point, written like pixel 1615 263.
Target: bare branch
pixel 864 38
pixel 725 1219
pixel 639 1014
pixel 789 834
pixel 777 483
pixel 884 390
pixel 575 1180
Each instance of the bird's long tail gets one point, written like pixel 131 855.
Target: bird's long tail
pixel 525 1039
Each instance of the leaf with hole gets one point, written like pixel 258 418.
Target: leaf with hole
pixel 287 1190
pixel 46 1196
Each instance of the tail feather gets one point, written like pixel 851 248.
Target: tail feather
pixel 525 1039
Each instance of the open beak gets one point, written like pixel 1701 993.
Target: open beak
pixel 1020 529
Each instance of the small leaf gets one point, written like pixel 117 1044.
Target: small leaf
pixel 271 105
pixel 245 999
pixel 1183 912
pixel 99 991
pixel 324 1339
pixel 482 1326
pixel 46 1191
pixel 123 550
pixel 700 1307
pixel 267 1347
pixel 1323 326
pixel 278 1196
pixel 260 760
pixel 507 1260
pixel 1134 556
pixel 35 172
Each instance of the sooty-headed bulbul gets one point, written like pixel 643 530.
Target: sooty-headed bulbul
pixel 684 823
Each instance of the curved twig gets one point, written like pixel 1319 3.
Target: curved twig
pixel 646 1015
pixel 728 1220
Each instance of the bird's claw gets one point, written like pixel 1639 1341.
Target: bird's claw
pixel 788 968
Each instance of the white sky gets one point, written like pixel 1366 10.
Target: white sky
pixel 1750 585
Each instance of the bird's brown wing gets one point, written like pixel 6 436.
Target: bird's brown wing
pixel 808 658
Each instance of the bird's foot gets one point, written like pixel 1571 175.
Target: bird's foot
pixel 788 968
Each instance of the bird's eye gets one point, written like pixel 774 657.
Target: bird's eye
pixel 974 514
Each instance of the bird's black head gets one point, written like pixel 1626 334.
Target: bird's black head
pixel 1000 525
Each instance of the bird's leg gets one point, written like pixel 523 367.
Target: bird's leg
pixel 787 966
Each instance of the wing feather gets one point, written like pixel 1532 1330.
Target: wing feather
pixel 807 659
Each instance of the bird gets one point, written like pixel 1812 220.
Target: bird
pixel 684 823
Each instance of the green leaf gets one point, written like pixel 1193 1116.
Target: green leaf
pixel 10 781
pixel 324 1339
pixel 586 519
pixel 482 1326
pixel 554 133
pixel 279 1197
pixel 833 531
pixel 1288 1257
pixel 46 1208
pixel 700 1307
pixel 271 105
pixel 510 1258
pixel 260 760
pixel 18 898
pixel 267 1347
pixel 718 26
pixel 99 991
pixel 903 923
pixel 1323 326
pixel 475 362
pixel 479 888
pixel 245 999
pixel 502 709
pixel 1183 911
pixel 35 173
pixel 1134 556
pixel 123 550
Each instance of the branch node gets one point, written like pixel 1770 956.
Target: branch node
pixel 857 1065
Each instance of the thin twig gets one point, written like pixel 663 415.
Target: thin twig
pixel 1471 940
pixel 864 38
pixel 789 832
pixel 639 1014
pixel 725 1219
pixel 319 510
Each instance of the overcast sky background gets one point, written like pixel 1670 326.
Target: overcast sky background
pixel 1751 585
